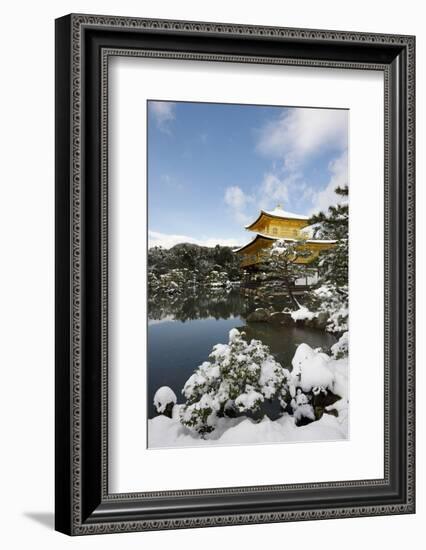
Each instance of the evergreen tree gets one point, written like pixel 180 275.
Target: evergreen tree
pixel 280 269
pixel 333 263
pixel 199 260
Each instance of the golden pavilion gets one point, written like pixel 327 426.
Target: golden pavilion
pixel 279 224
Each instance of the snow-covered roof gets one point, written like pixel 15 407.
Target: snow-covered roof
pixel 254 239
pixel 288 239
pixel 280 213
pixel 322 241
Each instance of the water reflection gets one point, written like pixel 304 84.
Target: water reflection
pixel 283 340
pixel 198 304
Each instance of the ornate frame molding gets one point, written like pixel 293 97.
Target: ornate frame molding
pixel 72 46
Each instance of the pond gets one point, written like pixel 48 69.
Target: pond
pixel 182 331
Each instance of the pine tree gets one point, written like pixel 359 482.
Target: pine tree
pixel 281 270
pixel 333 264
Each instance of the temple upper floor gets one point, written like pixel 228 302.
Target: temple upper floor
pixel 280 223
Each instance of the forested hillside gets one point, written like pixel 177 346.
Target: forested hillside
pixel 200 260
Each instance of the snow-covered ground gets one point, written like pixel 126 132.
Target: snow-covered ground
pixel 169 432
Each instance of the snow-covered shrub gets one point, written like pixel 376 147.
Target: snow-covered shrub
pixel 303 411
pixel 217 279
pixel 317 384
pixel 341 347
pixel 239 376
pixel 250 400
pixel 201 416
pixel 334 301
pixel 164 400
pixel 153 281
pixel 173 282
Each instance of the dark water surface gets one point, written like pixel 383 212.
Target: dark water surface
pixel 183 330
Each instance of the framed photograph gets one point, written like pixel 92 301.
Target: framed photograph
pixel 234 274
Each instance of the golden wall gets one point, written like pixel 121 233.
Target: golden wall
pixel 279 228
pixel 256 253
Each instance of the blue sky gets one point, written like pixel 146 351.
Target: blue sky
pixel 213 167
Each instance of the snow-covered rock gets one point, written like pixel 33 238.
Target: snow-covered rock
pixel 341 347
pixel 258 315
pixel 320 321
pixel 302 314
pixel 340 370
pixel 280 318
pixel 311 369
pixel 335 305
pixel 164 400
pixel 303 412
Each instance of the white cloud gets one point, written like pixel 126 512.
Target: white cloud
pixel 307 192
pixel 235 197
pixel 167 240
pixel 292 139
pixel 295 138
pixel 163 113
pixel 276 188
pixel 237 200
pixel 299 133
pixel 338 169
pixel 283 187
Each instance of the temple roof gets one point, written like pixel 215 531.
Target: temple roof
pixel 258 236
pixel 288 239
pixel 278 212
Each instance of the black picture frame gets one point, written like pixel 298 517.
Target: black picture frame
pixel 83 504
